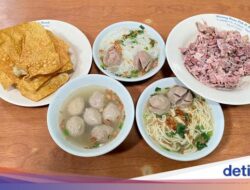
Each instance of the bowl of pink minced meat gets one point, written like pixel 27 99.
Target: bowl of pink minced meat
pixel 210 53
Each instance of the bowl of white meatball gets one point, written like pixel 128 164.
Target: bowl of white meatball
pixel 90 116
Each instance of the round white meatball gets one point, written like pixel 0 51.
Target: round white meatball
pixel 92 116
pixel 96 100
pixel 111 113
pixel 75 126
pixel 101 133
pixel 76 106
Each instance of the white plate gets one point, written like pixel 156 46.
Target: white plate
pixel 81 56
pixel 185 32
pixel 131 25
pixel 216 112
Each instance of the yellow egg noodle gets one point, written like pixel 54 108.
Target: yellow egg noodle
pixel 159 130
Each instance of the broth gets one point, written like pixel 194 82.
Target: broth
pixel 86 139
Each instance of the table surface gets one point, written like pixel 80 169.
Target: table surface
pixel 25 143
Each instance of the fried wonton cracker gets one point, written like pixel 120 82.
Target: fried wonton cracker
pixel 5 81
pixel 63 50
pixel 10 49
pixel 33 60
pixel 11 46
pixel 8 79
pixel 38 56
pixel 34 83
pixel 48 88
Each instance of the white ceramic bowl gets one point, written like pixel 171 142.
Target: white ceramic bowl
pixel 213 142
pixel 131 25
pixel 185 32
pixel 69 88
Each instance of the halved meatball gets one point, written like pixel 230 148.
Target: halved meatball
pixel 180 96
pixel 143 61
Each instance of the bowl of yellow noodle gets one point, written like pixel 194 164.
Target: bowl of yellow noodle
pixel 177 123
